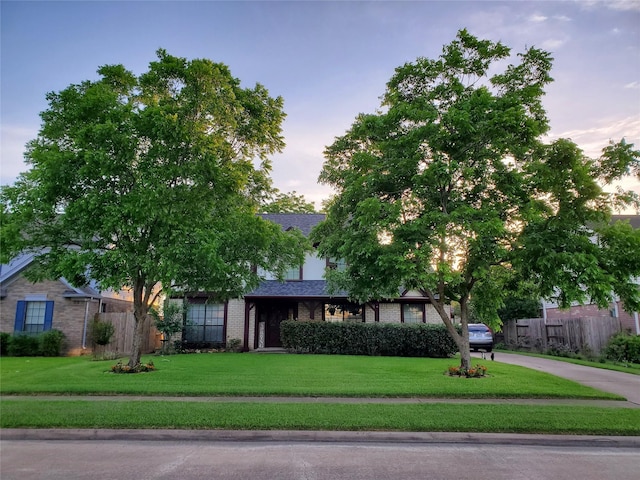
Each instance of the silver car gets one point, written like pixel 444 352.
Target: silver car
pixel 480 337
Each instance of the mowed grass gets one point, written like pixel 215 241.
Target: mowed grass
pixel 35 413
pixel 283 375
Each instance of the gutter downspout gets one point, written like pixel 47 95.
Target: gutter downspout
pixel 84 329
pixel 86 319
pixel 635 318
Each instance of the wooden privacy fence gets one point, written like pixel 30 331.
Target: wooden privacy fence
pixel 122 340
pixel 573 334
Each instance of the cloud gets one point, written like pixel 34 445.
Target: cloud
pixel 623 5
pixel 14 139
pixel 538 18
pixel 633 85
pixel 592 140
pixel 552 44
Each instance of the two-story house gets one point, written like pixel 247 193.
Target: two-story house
pixel 302 296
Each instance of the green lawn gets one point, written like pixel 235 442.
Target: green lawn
pixel 289 375
pixel 35 413
pixel 298 375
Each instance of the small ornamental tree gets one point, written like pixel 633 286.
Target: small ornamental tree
pixel 448 190
pixel 152 182
pixel 170 321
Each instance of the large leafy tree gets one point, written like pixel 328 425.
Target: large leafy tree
pixel 291 202
pixel 152 182
pixel 448 189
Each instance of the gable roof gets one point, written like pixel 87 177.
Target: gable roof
pixel 302 221
pixel 20 262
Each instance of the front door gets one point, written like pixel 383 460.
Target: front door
pixel 272 314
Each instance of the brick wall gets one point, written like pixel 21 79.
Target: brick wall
pixel 69 314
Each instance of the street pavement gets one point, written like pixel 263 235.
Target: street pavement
pixel 278 460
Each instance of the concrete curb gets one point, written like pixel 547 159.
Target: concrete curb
pixel 306 436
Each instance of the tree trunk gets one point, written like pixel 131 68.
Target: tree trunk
pixel 136 349
pixel 461 339
pixel 139 316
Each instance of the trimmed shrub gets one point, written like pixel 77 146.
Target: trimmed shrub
pixel 385 339
pixel 24 346
pixel 623 347
pixel 101 332
pixel 5 338
pixel 51 343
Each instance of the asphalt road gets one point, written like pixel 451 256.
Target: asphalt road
pixel 170 460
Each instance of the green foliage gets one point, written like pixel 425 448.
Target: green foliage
pixel 51 343
pixel 5 338
pixel 624 348
pixel 421 340
pixel 171 321
pixel 24 346
pixel 101 332
pixel 155 180
pixel 287 203
pixel 516 308
pixel 471 372
pixel 448 189
pixel 46 344
pixel 138 368
pixel 234 345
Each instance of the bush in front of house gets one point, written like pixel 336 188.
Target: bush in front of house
pixel 46 344
pixel 51 343
pixel 5 338
pixel 24 346
pixel 101 332
pixel 623 347
pixel 384 339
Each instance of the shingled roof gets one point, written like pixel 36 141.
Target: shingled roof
pixel 302 289
pixel 634 220
pixel 302 221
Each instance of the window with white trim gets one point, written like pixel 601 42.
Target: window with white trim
pixel 294 273
pixel 33 316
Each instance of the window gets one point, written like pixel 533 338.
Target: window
pixel 205 323
pixel 336 264
pixel 413 313
pixel 294 273
pixel 343 312
pixel 33 316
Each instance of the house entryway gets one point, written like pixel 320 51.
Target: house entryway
pixel 269 315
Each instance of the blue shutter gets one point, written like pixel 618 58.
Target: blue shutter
pixel 18 326
pixel 48 315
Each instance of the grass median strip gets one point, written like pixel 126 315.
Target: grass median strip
pixel 34 413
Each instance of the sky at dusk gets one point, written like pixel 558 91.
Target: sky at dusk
pixel 328 60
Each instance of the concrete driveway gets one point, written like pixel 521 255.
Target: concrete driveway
pixel 625 384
